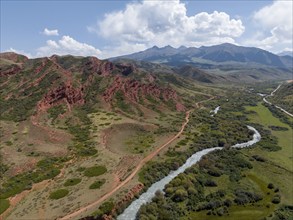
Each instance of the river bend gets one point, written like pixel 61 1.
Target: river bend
pixel 131 211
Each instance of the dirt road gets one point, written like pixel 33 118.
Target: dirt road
pixel 278 107
pixel 134 172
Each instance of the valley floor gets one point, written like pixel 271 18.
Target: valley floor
pixel 132 152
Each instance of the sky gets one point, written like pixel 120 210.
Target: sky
pixel 111 28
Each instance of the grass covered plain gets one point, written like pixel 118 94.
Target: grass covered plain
pixel 264 117
pixel 279 165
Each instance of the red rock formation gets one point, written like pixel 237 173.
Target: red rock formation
pixel 13 69
pixel 103 68
pixel 64 92
pixel 43 63
pixel 131 89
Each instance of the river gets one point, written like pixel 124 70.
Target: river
pixel 215 111
pixel 131 211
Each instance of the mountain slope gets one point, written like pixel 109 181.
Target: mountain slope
pixel 36 85
pixel 199 75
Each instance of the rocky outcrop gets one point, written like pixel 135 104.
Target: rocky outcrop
pixel 64 92
pixel 125 69
pixel 132 88
pixel 10 70
pixel 103 68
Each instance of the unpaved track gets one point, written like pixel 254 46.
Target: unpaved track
pixel 134 172
pixel 278 107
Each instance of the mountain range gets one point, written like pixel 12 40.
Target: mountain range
pixel 212 55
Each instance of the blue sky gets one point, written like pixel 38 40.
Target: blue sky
pixel 111 28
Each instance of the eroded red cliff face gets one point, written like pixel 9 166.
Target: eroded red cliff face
pixel 103 68
pixel 132 89
pixel 64 92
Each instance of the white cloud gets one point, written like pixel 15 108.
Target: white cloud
pixel 149 23
pixel 48 32
pixel 29 55
pixel 67 45
pixel 275 24
pixel 122 49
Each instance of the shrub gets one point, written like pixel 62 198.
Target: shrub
pixel 276 199
pixel 270 186
pixel 259 158
pixel 243 197
pixel 58 194
pixel 95 171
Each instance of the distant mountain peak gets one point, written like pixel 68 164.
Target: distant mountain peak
pixel 168 47
pixel 182 47
pixel 155 47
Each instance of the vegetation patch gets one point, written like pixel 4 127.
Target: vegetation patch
pixel 140 142
pixel 55 111
pixel 95 171
pixel 46 169
pixel 97 184
pixel 72 182
pixel 58 194
pixel 80 169
pixel 4 204
pixel 121 103
pixel 104 209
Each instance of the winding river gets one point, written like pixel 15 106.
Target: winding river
pixel 131 211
